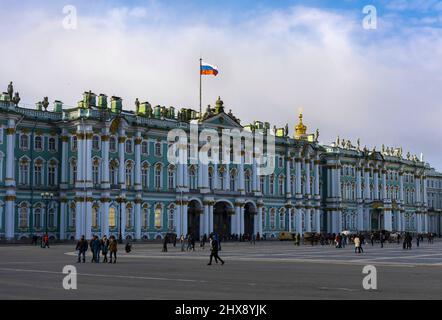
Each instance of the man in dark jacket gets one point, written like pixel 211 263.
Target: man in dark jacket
pixel 82 247
pixel 96 248
pixel 214 252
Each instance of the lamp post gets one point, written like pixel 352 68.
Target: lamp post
pixel 46 196
pixel 120 199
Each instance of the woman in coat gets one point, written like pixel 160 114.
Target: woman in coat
pixel 112 249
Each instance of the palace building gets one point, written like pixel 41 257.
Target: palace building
pixel 99 169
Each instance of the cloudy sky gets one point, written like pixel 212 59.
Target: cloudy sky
pixel 381 85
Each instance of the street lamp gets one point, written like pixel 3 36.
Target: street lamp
pixel 120 199
pixel 46 196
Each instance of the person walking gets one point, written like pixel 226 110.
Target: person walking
pixel 214 252
pixel 372 239
pixel 382 238
pixel 357 243
pixel 417 240
pixel 253 239
pixel 82 247
pixel 182 242
pixel 203 241
pixel 45 241
pixel 166 239
pixel 96 249
pixel 104 248
pixel 112 249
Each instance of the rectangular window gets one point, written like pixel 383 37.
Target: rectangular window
pixel 38 176
pixel 51 176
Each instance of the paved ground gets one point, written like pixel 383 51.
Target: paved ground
pixel 268 270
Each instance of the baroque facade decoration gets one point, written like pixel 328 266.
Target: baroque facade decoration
pixel 108 171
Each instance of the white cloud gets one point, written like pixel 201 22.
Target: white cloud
pixel 350 82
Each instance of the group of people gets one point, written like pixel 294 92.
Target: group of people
pixel 44 243
pixel 104 246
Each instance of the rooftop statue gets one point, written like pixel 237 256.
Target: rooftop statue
pixel 286 129
pixel 383 148
pixel 16 98
pixel 137 105
pixel 359 143
pixel 317 135
pixel 10 90
pixel 46 103
pixel 408 155
pixel 337 141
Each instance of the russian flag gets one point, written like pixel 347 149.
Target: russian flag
pixel 207 69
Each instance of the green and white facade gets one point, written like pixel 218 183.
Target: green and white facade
pixel 96 154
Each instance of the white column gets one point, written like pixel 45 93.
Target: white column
pixel 137 173
pixel 205 176
pixel 237 219
pixel 401 187
pixel 105 181
pixel 227 173
pixel 308 220
pixel 215 177
pixel 105 214
pixel 241 181
pixel 78 220
pixel 138 217
pixel 242 218
pixel 260 214
pixel 424 191
pixel 10 181
pixel 307 177
pixel 233 222
pixel 298 216
pixel 185 218
pixel 388 220
pixel 121 159
pixel 202 226
pixel 210 218
pixel 88 217
pixel 316 173
pixel 179 217
pixel 384 185
pixel 88 174
pixel 290 219
pixel 206 219
pixel 64 157
pixel 318 220
pixel 123 219
pixel 417 188
pixel 255 178
pixel 200 175
pixel 376 184
pixel 338 181
pixel 63 214
pixel 288 188
pixel 298 177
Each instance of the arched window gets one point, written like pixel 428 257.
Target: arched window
pixel 96 171
pixel 73 174
pixel 74 143
pixel 281 185
pixel 221 179
pixel 52 173
pixel 145 176
pixel 145 147
pixel 129 217
pixel 51 144
pixel 158 149
pixel 171 178
pixel 37 217
pixel 24 172
pixel 248 181
pixel 95 216
pixel 112 217
pixel 233 176
pixel 38 172
pixel 96 142
pixel 158 213
pixel 262 186
pixel 145 216
pixel 129 146
pixel 158 170
pixel 113 171
pixel 192 178
pixel 272 219
pixel 171 218
pixel 129 173
pixel 282 219
pixel 112 144
pixel 38 143
pixel 23 216
pixel 272 184
pixel 72 216
pixel 24 142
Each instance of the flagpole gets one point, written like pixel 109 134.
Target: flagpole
pixel 201 63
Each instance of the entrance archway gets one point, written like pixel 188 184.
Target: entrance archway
pixel 377 220
pixel 249 219
pixel 222 212
pixel 193 218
